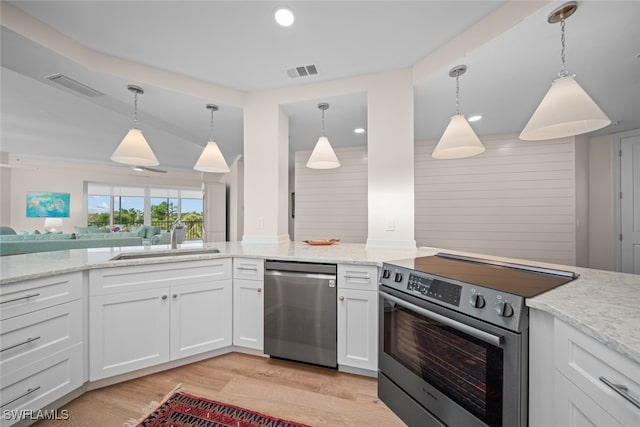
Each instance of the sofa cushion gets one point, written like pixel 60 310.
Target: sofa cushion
pixel 139 231
pixel 151 231
pixel 6 231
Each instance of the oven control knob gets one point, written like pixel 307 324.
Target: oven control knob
pixel 477 301
pixel 504 309
pixel 398 277
pixel 386 273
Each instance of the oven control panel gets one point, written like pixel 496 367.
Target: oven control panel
pixel 499 308
pixel 430 287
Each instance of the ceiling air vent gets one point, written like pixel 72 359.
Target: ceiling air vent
pixel 74 85
pixel 304 71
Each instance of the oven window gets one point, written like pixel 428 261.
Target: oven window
pixel 467 370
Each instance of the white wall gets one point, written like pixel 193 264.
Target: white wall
pixel 5 188
pixel 332 203
pixel 517 199
pixel 582 200
pixel 601 203
pixel 55 176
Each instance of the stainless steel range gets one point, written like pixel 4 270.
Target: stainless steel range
pixel 454 339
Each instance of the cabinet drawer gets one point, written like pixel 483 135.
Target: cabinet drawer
pixel 583 360
pixel 248 268
pixel 143 277
pixel 31 295
pixel 39 384
pixel 28 338
pixel 354 276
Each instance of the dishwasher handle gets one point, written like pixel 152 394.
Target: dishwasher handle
pixel 278 273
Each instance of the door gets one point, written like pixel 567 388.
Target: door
pixel 358 328
pixel 630 203
pixel 128 331
pixel 248 313
pixel 200 318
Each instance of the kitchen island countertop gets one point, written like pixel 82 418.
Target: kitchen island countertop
pixel 603 304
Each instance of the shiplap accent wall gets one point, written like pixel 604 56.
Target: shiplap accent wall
pixel 517 199
pixel 332 203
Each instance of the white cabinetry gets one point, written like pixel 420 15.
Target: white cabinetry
pixel 41 348
pixel 141 316
pixel 358 316
pixel 248 303
pixel 583 365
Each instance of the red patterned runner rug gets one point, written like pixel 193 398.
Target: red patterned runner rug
pixel 184 410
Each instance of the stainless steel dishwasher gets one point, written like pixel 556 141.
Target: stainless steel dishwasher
pixel 300 312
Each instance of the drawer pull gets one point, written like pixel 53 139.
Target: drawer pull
pixel 357 277
pixel 26 393
pixel 622 390
pixel 21 298
pixel 248 268
pixel 27 341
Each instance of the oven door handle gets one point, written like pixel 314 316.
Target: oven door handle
pixel 476 333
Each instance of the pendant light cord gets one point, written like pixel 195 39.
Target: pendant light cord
pixel 563 71
pixel 211 133
pixel 458 92
pixel 135 110
pixel 322 122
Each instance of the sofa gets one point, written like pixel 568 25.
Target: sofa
pixel 12 243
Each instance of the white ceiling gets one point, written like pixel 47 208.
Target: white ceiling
pixel 221 50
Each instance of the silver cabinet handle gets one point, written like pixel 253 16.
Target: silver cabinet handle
pixel 259 290
pixel 21 298
pixel 175 296
pixel 27 341
pixel 367 277
pixel 622 390
pixel 164 297
pixel 26 393
pixel 341 298
pixel 248 268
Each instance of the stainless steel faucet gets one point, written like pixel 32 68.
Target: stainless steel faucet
pixel 177 225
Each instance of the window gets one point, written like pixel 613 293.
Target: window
pixel 133 206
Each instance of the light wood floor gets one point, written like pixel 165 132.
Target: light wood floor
pixel 297 392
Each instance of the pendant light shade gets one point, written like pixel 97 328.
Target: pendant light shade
pixel 458 140
pixel 566 109
pixel 211 159
pixel 323 156
pixel 134 149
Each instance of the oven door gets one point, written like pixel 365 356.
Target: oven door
pixel 462 371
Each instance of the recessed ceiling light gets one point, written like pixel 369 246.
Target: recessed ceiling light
pixel 359 130
pixel 475 118
pixel 284 16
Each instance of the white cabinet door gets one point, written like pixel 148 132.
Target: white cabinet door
pixel 248 313
pixel 358 329
pixel 574 408
pixel 200 318
pixel 128 331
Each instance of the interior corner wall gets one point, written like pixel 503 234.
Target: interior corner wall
pixel 514 200
pixel 601 228
pixel 582 200
pixel 235 181
pixel 291 213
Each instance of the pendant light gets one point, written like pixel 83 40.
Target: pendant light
pixel 134 149
pixel 211 159
pixel 323 156
pixel 458 140
pixel 566 109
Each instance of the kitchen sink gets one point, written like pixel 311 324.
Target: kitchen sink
pixel 160 254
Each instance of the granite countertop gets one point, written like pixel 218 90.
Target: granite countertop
pixel 603 304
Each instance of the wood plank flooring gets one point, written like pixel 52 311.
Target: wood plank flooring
pixel 298 392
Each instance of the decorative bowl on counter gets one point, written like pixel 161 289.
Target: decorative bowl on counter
pixel 321 242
